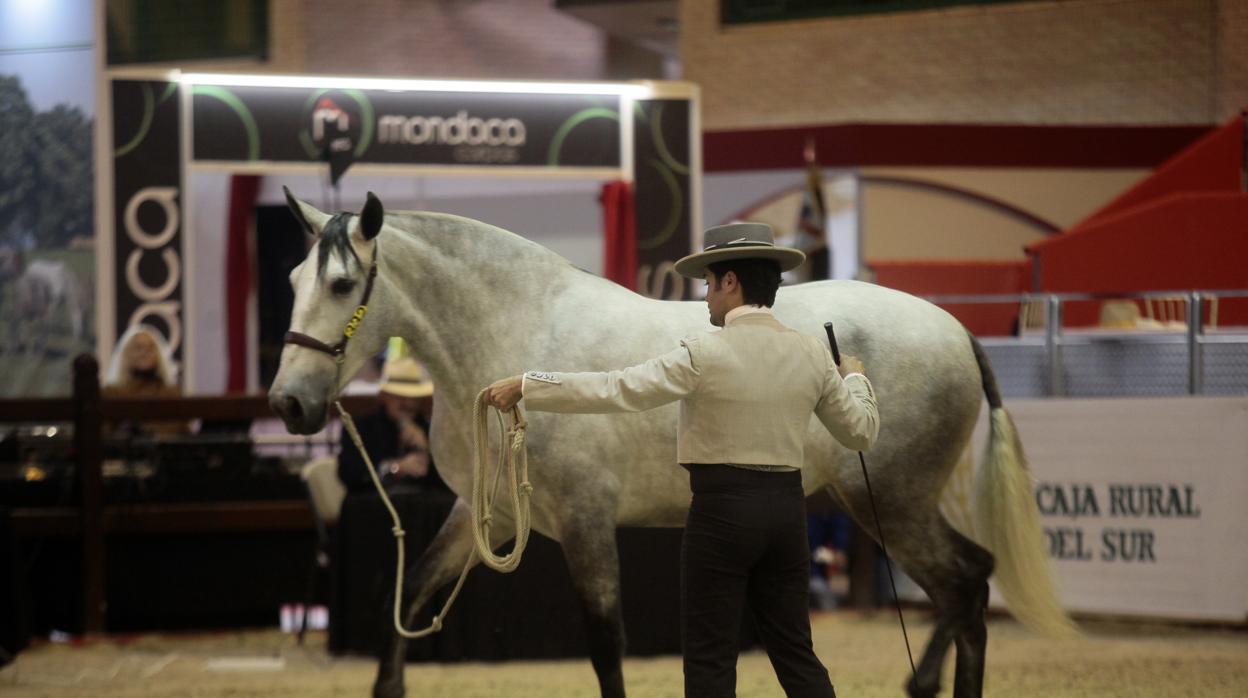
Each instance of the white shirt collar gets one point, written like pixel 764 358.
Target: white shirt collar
pixel 745 310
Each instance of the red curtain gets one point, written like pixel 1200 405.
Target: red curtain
pixel 239 276
pixel 620 226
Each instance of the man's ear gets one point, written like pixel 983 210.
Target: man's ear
pixel 311 219
pixel 371 217
pixel 728 281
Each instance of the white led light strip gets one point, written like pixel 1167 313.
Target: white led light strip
pixel 637 91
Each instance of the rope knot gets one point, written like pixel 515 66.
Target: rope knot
pixel 398 532
pixel 526 488
pixel 436 625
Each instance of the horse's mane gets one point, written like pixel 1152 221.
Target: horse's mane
pixel 336 239
pixel 481 229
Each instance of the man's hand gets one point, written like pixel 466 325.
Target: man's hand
pixel 851 364
pixel 506 393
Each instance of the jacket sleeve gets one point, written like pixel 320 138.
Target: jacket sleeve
pixel 848 410
pixel 661 380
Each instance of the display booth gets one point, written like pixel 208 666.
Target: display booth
pixel 157 130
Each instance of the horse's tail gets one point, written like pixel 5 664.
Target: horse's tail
pixel 1007 521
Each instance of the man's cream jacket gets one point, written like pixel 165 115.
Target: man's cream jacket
pixel 747 394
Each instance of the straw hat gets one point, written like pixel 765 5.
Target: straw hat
pixel 738 241
pixel 405 377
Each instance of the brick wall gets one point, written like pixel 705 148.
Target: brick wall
pixel 438 38
pixel 1071 62
pixel 1232 65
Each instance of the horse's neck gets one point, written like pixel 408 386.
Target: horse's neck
pixel 468 294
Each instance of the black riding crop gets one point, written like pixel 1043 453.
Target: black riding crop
pixel 836 357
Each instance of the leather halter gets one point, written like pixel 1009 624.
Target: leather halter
pixel 338 351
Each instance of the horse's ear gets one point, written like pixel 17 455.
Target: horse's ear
pixel 311 219
pixel 372 217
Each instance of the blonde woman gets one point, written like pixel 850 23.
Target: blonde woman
pixel 141 367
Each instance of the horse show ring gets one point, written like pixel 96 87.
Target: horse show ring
pixel 863 653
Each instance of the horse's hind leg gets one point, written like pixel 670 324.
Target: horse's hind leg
pixel 440 563
pixel 954 572
pixel 972 644
pixel 593 562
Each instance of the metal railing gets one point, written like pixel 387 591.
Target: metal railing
pixel 1172 350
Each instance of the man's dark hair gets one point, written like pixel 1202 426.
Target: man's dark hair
pixel 759 278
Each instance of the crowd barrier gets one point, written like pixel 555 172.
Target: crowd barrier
pixel 1164 343
pixel 91 520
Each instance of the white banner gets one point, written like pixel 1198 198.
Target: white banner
pixel 1144 502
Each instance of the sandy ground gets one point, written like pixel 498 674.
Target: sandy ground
pixel 864 653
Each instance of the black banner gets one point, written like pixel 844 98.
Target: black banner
pixel 295 124
pixel 664 205
pixel 147 208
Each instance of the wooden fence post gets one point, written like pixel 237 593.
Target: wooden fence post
pixel 87 450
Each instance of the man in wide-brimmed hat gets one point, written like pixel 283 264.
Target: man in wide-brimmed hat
pixel 748 394
pixel 396 435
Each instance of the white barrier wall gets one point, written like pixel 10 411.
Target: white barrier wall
pixel 1143 502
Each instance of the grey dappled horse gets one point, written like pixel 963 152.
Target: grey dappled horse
pixel 477 303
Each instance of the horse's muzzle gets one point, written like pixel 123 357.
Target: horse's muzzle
pixel 302 416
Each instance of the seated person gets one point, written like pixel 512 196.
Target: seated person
pixel 396 435
pixel 141 367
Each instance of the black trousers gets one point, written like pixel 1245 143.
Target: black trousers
pixel 745 543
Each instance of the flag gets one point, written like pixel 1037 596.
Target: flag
pixel 812 222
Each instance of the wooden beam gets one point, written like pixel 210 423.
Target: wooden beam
pixel 210 517
pixel 46 522
pixel 218 407
pixel 37 410
pixel 164 519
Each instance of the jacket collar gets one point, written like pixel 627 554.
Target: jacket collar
pixel 746 311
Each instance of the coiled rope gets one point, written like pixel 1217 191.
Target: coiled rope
pixel 513 457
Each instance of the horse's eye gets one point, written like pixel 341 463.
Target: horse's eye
pixel 342 287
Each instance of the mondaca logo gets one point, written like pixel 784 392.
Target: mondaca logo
pixel 340 121
pixel 327 113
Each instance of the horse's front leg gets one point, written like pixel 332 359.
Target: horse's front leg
pixel 588 539
pixel 441 562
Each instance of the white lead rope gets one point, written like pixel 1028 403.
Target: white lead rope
pixel 512 455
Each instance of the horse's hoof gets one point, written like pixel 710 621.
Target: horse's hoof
pixel 914 690
pixel 389 688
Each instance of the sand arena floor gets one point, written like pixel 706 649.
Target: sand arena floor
pixel 864 653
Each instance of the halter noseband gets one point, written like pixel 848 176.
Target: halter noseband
pixel 339 351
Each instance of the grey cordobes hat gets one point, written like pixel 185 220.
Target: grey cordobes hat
pixel 738 241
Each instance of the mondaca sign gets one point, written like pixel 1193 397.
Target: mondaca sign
pixel 254 123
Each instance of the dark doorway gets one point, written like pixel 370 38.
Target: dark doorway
pixel 281 244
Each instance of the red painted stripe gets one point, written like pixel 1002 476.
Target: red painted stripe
pixel 947 145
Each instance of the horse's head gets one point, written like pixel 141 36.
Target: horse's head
pixel 333 329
